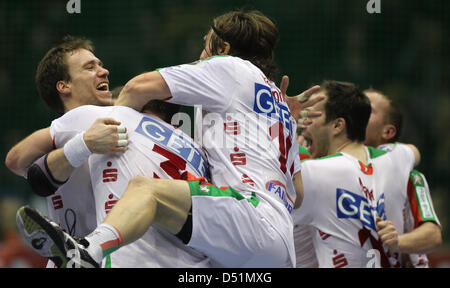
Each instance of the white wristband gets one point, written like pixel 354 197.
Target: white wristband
pixel 76 150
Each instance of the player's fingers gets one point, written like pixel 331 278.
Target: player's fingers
pixel 303 122
pixel 109 121
pixel 284 85
pixel 303 97
pixel 121 129
pixel 122 143
pixel 313 114
pixel 312 90
pixel 381 225
pixel 122 136
pixel 304 113
pixel 312 102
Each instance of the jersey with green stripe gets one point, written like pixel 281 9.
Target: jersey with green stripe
pixel 343 197
pixel 418 207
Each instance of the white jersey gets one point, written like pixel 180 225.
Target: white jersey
pixel 155 149
pixel 418 209
pixel 247 130
pixel 343 197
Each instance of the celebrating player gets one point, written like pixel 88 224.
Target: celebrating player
pixel 156 150
pixel 68 76
pixel 422 232
pixel 349 202
pixel 246 222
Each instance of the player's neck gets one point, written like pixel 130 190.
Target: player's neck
pixel 354 149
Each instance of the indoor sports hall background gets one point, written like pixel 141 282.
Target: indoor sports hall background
pixel 404 51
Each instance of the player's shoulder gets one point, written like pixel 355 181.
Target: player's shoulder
pixel 390 147
pixel 79 113
pixel 230 62
pixel 323 161
pixel 398 152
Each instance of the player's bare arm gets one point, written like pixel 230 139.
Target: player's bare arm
pixel 143 88
pixel 105 136
pixel 298 185
pixel 23 154
pixel 424 239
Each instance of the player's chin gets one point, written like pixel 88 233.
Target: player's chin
pixel 105 97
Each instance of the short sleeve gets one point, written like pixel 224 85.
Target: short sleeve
pixel 210 83
pixel 400 153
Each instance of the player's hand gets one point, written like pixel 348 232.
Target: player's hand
pixel 299 104
pixel 105 136
pixel 388 234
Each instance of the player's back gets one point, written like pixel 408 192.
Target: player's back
pixel 156 150
pixel 343 197
pixel 248 131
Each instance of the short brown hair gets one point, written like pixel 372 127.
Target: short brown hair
pixel 251 35
pixel 53 68
pixel 347 101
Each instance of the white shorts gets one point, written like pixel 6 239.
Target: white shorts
pixel 232 230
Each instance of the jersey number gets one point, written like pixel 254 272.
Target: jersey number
pixel 175 166
pixel 276 130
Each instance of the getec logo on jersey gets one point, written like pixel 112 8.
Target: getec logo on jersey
pixel 351 205
pixel 174 141
pixel 265 104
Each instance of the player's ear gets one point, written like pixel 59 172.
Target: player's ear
pixel 225 49
pixel 63 87
pixel 389 132
pixel 339 125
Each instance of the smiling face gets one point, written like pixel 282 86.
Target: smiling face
pixel 319 133
pixel 88 79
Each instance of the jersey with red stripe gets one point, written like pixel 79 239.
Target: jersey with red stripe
pixel 247 130
pixel 418 209
pixel 155 149
pixel 343 203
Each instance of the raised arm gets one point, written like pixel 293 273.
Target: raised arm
pixel 24 153
pixel 143 88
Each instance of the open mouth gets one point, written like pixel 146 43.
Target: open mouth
pixel 104 86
